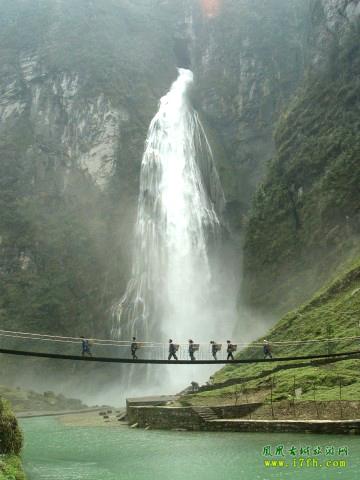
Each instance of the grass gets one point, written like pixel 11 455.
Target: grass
pixel 11 441
pixel 10 468
pixel 332 313
pixel 305 215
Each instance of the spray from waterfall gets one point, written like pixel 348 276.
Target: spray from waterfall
pixel 173 291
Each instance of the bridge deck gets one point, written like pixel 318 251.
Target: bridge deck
pixel 59 356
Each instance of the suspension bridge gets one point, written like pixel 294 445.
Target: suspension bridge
pixel 27 344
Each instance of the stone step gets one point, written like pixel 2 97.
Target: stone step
pixel 206 413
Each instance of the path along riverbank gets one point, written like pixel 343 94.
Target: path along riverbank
pixel 324 417
pixel 91 417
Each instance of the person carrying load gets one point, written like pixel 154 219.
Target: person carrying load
pixel 215 347
pixel 194 387
pixel 267 349
pixel 85 347
pixel 192 349
pixel 133 347
pixel 230 349
pixel 172 350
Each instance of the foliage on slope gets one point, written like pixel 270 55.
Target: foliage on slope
pixel 28 400
pixel 11 468
pixel 11 441
pixel 51 264
pixel 10 434
pixel 332 313
pixel 306 215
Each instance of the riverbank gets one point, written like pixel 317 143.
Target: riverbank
pixel 41 413
pixel 90 417
pixel 317 417
pixel 23 400
pixel 326 389
pixel 102 418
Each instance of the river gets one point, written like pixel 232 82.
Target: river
pixel 54 451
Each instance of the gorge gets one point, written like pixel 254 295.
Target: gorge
pixel 184 169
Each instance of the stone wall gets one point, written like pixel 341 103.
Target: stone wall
pixel 236 411
pixel 167 418
pixel 182 417
pixel 231 419
pixel 290 426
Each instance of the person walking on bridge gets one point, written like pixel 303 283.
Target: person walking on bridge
pixel 133 348
pixel 85 347
pixel 172 350
pixel 214 349
pixel 229 350
pixel 267 349
pixel 191 350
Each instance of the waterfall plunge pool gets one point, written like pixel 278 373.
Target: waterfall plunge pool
pixel 54 451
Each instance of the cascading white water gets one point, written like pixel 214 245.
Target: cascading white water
pixel 172 292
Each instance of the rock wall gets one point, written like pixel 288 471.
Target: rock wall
pixel 252 62
pixel 305 221
pixel 164 417
pixel 184 418
pixel 80 82
pixel 82 134
pixel 248 58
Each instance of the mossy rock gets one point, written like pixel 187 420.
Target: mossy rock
pixel 11 438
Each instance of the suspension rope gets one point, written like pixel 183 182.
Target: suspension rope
pixel 62 338
pixel 111 342
pixel 173 362
pixel 55 340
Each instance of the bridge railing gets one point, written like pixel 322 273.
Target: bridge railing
pixel 33 342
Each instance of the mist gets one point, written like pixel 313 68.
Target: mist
pixel 82 84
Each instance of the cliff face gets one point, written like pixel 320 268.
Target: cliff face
pixel 252 61
pixel 305 220
pixel 249 59
pixel 80 82
pixel 82 74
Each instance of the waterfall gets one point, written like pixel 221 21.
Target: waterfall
pixel 172 291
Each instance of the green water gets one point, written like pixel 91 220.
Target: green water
pixel 56 452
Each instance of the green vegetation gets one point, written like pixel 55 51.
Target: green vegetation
pixel 10 444
pixel 302 235
pixel 332 313
pixel 28 400
pixel 64 248
pixel 65 243
pixel 305 221
pixel 325 379
pixel 246 74
pixel 11 468
pixel 113 45
pixel 10 434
